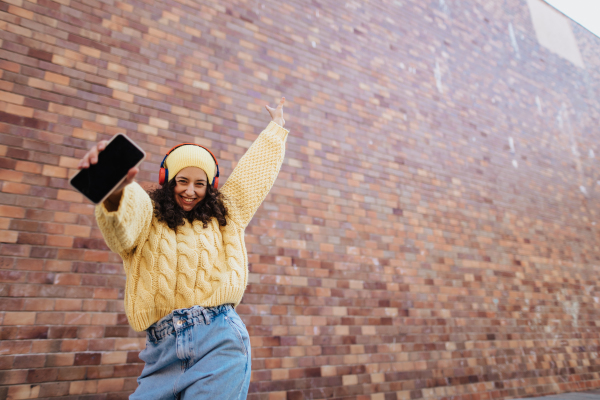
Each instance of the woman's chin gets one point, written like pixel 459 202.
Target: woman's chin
pixel 185 207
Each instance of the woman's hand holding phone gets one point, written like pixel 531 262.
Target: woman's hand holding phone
pixel 91 157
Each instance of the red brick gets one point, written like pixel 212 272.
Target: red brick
pixel 59 360
pixel 15 347
pixel 16 188
pixel 6 362
pixel 13 377
pixel 62 332
pixel 29 264
pixel 54 389
pixel 87 359
pixel 30 361
pixel 72 374
pixel 59 241
pixel 31 238
pixel 68 304
pixel 9 66
pixel 42 375
pixel 32 332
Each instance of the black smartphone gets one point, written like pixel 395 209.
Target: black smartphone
pixel 99 180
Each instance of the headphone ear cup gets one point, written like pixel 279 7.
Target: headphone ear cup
pixel 216 182
pixel 163 176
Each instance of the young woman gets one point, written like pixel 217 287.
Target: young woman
pixel 186 264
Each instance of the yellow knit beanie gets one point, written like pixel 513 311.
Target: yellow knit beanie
pixel 191 156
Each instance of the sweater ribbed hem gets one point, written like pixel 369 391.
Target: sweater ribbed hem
pixel 142 319
pixel 228 295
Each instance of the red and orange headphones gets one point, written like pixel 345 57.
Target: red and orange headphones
pixel 163 174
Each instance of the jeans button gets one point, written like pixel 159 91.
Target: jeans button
pixel 179 322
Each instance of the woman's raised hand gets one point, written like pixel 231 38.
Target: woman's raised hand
pixel 91 157
pixel 277 113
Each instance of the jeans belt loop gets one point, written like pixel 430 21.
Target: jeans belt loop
pixel 152 334
pixel 206 317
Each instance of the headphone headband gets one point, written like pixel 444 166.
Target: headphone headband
pixel 163 175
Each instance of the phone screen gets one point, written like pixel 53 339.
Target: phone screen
pixel 97 181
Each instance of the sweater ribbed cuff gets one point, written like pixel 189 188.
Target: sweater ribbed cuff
pixel 277 130
pixel 121 212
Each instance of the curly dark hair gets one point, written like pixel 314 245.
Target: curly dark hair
pixel 168 211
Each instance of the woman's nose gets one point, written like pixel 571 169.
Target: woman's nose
pixel 190 190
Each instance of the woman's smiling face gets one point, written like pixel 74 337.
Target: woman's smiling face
pixel 190 187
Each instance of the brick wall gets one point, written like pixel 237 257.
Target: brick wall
pixel 433 232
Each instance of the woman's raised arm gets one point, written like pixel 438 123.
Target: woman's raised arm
pixel 257 170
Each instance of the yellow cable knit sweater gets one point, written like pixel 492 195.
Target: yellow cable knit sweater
pixel 167 269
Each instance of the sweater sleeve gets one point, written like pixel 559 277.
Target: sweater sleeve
pixel 253 177
pixel 122 229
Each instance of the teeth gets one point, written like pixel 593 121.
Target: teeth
pixel 188 200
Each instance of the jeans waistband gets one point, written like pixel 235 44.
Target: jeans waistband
pixel 184 317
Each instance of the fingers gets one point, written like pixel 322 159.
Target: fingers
pixel 97 149
pixel 128 179
pixel 131 174
pixel 91 157
pixel 279 106
pixel 277 113
pixel 272 111
pixel 85 161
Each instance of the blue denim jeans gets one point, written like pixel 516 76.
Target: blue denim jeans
pixel 196 353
